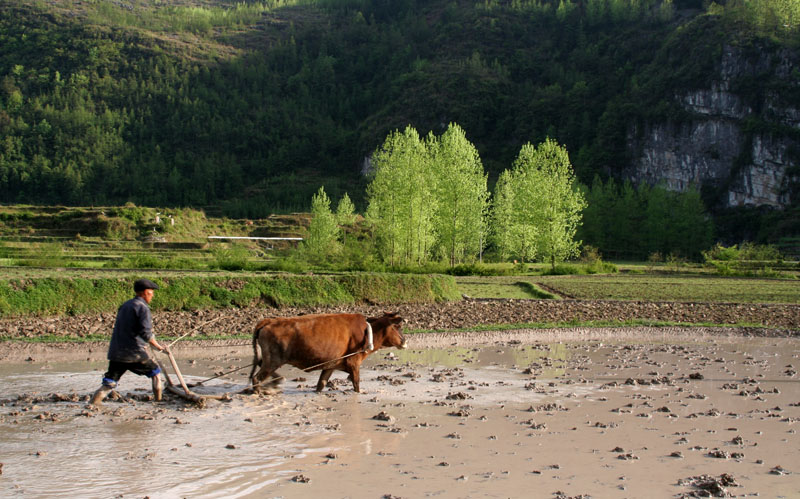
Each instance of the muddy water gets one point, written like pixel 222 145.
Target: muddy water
pixel 505 418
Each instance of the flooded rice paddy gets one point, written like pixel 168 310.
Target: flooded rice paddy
pixel 469 415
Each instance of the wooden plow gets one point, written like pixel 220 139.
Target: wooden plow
pixel 184 389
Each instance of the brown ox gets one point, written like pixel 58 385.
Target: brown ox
pixel 327 342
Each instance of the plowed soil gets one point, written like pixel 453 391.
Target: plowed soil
pixel 773 318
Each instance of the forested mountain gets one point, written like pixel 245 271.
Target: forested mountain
pixel 251 106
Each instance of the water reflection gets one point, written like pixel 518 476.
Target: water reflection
pixel 549 359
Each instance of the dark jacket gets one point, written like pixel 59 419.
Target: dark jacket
pixel 133 329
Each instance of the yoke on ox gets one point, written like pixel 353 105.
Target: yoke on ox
pixel 325 341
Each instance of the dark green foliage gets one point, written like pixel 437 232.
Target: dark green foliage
pixel 50 296
pixel 252 106
pixel 628 223
pixel 98 106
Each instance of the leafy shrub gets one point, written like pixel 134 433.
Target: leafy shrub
pixel 597 267
pixel 721 253
pixel 119 229
pixel 590 254
pixel 747 251
pixel 769 273
pixel 746 260
pixel 233 258
pixel 248 296
pixel 563 269
pixel 477 270
pixel 675 261
pixel 130 211
pixel 357 256
pixel 723 267
pixel 183 263
pixel 760 252
pixel 290 265
pixel 221 296
pixel 142 261
pixel 601 267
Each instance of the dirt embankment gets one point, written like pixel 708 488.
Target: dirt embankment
pixel 462 314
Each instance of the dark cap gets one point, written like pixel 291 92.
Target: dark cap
pixel 143 284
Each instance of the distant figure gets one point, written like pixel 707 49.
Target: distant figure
pixel 133 331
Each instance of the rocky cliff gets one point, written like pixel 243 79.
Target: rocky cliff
pixel 739 136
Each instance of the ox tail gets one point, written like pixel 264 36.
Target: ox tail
pixel 370 345
pixel 256 355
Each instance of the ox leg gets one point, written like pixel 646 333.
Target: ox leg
pixel 354 376
pixel 260 376
pixel 267 379
pixel 323 379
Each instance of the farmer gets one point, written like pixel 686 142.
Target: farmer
pixel 133 331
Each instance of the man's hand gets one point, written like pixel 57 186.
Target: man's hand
pixel 155 344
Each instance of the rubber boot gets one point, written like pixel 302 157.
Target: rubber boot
pixel 99 395
pixel 158 388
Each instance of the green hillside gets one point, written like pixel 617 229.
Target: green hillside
pixel 251 106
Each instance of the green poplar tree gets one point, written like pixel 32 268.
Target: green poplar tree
pixel 461 194
pixel 323 230
pixel 513 224
pixel 345 215
pixel 539 204
pixel 401 199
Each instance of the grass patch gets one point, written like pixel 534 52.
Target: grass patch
pixel 680 288
pixel 53 296
pixel 535 291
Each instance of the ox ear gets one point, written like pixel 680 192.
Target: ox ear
pixel 394 318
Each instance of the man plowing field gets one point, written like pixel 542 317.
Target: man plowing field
pixel 133 331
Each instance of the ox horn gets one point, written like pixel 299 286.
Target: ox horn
pixel 370 346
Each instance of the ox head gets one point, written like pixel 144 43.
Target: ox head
pixel 388 326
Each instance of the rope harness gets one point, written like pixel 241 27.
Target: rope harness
pixel 307 369
pixel 198 328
